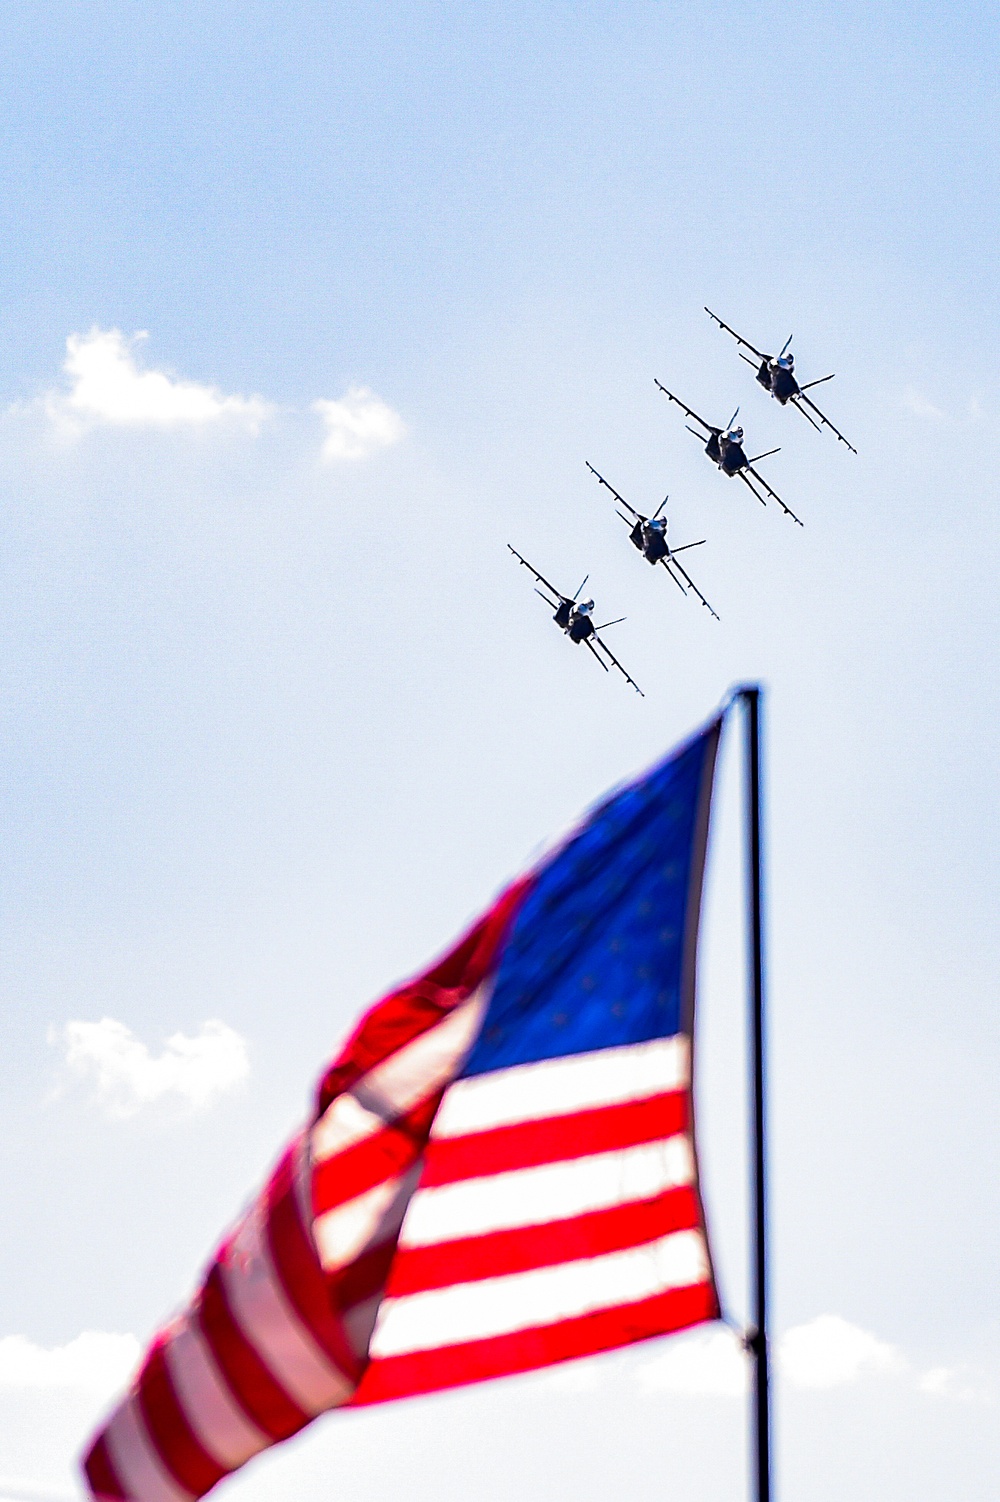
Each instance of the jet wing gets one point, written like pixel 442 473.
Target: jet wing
pixel 682 571
pixel 540 577
pixel 738 337
pixel 706 425
pixel 617 664
pixel 619 498
pixel 822 417
pixel 600 660
pixel 772 493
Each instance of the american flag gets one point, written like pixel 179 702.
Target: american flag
pixel 499 1174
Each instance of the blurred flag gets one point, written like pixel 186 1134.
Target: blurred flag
pixel 500 1172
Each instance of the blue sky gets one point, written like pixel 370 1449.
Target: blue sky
pixel 280 713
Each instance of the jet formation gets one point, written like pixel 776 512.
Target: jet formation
pixel 724 446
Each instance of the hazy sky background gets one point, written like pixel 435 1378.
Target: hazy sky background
pixel 280 712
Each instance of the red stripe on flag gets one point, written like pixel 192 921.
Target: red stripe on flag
pixel 389 1151
pixel 363 1278
pixel 523 1350
pixel 526 1144
pixel 250 1381
pixel 176 1442
pixel 499 1253
pixel 101 1474
pixel 298 1268
pixel 252 1387
pixel 410 1011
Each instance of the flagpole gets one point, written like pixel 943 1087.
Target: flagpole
pixel 758 1340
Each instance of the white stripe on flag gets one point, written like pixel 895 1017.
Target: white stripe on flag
pixel 261 1308
pixel 553 1191
pixel 217 1419
pixel 133 1455
pixel 545 1296
pixel 344 1233
pixel 406 1078
pixel 556 1087
pixel 359 1322
pixel 344 1122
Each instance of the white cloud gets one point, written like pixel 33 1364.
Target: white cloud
pixel 829 1352
pixel 127 1076
pixel 711 1361
pixel 13 1490
pixel 949 1382
pixel 358 424
pixel 919 405
pixel 94 1361
pixel 707 1361
pixel 107 388
pixel 825 1352
pixel 940 1379
pixel 586 1375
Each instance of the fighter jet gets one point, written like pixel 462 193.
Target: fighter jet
pixel 725 449
pixel 649 535
pixel 776 373
pixel 576 620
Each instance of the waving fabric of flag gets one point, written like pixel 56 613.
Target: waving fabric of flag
pixel 500 1172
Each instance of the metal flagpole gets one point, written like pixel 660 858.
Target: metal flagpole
pixel 758 1338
